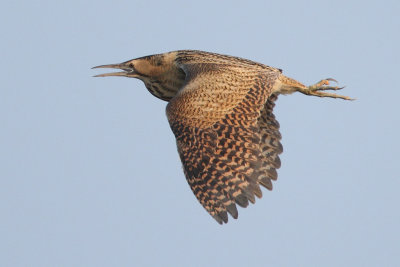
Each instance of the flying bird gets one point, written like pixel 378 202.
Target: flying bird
pixel 220 109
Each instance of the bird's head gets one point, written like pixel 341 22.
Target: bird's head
pixel 141 68
pixel 162 77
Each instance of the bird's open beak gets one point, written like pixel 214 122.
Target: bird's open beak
pixel 128 71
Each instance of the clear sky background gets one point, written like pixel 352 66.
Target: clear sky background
pixel 89 172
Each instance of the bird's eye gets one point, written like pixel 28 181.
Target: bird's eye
pixel 132 67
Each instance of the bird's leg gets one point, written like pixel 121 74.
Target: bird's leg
pixel 323 85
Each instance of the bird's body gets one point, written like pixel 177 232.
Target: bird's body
pixel 220 111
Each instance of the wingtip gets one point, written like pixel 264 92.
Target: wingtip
pixel 218 219
pixel 232 209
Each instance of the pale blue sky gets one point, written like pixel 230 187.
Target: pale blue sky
pixel 89 173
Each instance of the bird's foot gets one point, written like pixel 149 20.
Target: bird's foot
pixel 323 85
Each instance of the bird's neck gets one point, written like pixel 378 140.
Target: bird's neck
pixel 167 85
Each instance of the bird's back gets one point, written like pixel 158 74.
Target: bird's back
pixel 201 57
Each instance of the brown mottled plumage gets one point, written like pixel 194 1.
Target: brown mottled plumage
pixel 220 110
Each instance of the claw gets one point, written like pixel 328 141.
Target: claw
pixel 331 80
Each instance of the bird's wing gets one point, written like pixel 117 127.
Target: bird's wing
pixel 227 136
pixel 270 143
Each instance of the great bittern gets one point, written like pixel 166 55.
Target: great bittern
pixel 220 110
